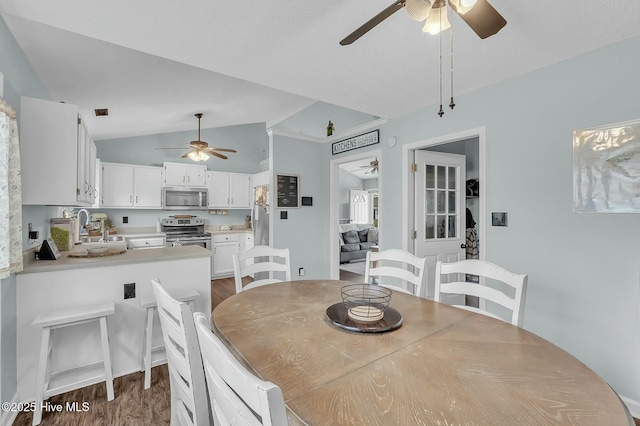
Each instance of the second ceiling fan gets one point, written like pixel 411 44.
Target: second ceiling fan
pixel 483 19
pixel 200 150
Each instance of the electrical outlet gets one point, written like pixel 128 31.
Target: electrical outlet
pixel 33 235
pixel 301 272
pixel 125 219
pixel 130 291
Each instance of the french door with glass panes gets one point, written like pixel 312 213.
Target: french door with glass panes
pixel 439 210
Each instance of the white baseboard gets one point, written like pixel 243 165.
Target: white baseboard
pixel 632 405
pixel 8 417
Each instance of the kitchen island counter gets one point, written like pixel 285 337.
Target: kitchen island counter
pixel 31 265
pixel 125 280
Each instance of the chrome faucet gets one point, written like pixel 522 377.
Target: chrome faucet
pixel 83 225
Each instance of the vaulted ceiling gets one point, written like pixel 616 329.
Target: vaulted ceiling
pixel 154 63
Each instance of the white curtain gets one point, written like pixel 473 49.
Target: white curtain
pixel 10 193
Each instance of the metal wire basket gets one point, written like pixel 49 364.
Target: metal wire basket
pixel 365 302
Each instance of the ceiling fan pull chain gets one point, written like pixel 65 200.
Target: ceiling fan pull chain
pixel 451 104
pixel 441 112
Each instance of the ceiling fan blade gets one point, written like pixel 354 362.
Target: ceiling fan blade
pixel 483 18
pixel 367 26
pixel 212 152
pixel 224 149
pixel 186 155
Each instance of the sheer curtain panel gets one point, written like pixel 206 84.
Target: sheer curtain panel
pixel 10 193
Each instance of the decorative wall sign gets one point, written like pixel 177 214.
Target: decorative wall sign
pixel 356 142
pixel 606 169
pixel 287 191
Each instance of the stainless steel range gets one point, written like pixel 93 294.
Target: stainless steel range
pixel 183 230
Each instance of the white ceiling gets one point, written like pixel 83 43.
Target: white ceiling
pixel 360 168
pixel 154 63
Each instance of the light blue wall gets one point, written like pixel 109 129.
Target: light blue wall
pixel 148 218
pixel 19 80
pixel 584 274
pixel 305 230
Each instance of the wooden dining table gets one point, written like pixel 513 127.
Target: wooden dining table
pixel 442 366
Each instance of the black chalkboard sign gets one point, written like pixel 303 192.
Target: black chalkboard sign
pixel 287 191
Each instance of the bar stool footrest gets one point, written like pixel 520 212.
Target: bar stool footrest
pixel 75 378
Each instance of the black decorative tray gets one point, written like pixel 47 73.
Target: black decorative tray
pixel 338 315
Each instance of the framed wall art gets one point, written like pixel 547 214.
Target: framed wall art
pixel 606 169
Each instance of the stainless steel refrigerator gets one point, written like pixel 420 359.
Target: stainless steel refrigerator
pixel 260 216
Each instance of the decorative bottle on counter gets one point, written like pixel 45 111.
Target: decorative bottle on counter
pixel 330 128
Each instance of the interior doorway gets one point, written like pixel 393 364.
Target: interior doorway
pixel 470 142
pixel 353 176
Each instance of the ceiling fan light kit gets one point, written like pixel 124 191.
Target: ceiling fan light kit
pixel 200 149
pixel 479 15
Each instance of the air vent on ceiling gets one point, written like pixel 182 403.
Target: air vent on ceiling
pixel 102 112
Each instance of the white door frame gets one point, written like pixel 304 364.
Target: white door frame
pixel 408 184
pixel 334 203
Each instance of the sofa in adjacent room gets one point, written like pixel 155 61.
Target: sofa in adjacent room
pixel 356 239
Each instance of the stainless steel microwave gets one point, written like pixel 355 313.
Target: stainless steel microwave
pixel 180 198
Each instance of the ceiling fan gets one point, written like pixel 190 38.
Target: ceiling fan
pixel 483 19
pixel 372 168
pixel 200 149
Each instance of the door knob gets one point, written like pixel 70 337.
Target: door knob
pixel 463 246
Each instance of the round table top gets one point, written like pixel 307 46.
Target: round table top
pixel 443 366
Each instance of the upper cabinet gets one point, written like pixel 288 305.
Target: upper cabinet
pixel 180 174
pixel 57 155
pixel 127 186
pixel 229 190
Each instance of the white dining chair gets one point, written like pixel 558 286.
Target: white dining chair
pixel 237 396
pixel 483 269
pixel 400 265
pixel 261 263
pixel 189 402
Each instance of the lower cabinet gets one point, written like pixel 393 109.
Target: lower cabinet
pixel 224 247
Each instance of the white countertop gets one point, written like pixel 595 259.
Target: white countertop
pixel 31 265
pixel 232 231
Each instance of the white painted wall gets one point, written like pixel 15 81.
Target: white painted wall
pixel 347 183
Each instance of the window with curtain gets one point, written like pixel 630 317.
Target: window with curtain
pixel 10 193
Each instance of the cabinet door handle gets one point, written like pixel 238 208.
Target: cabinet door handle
pixel 130 198
pixel 136 199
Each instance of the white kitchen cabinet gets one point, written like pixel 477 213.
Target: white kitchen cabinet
pixel 179 174
pixel 247 241
pixel 57 153
pixel 131 186
pixel 224 247
pixel 229 190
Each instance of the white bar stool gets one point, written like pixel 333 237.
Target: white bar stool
pixel 46 383
pixel 151 306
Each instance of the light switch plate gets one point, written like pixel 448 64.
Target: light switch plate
pixel 498 219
